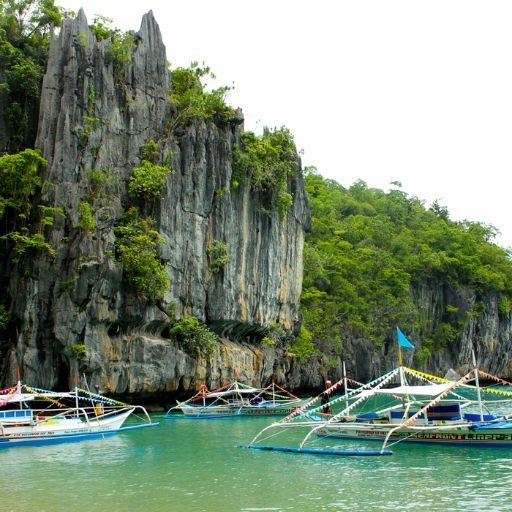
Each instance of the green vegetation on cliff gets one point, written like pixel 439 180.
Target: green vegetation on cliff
pixel 148 180
pixel 191 98
pixel 24 41
pixel 19 181
pixel 25 27
pixel 136 246
pixel 367 251
pixel 267 162
pixel 368 248
pixel 119 52
pixel 194 337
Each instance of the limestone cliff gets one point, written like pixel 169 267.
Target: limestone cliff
pixel 96 116
pixel 483 329
pixel 72 314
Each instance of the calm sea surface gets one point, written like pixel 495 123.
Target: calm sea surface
pixel 187 465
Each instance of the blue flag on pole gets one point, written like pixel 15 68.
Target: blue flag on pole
pixel 402 340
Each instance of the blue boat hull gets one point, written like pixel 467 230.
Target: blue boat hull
pixel 481 436
pixel 318 451
pixel 65 438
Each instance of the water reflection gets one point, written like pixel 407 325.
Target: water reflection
pixel 80 452
pixel 190 466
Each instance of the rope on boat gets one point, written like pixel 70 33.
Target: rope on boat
pixel 404 438
pixel 384 380
pixel 306 406
pixel 272 386
pixel 415 416
pixel 488 376
pixel 300 411
pixel 45 396
pixel 493 377
pixel 95 398
pixel 9 393
pixel 499 381
pixel 427 376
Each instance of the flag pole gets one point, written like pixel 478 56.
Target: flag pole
pixel 345 384
pixel 477 383
pixel 400 362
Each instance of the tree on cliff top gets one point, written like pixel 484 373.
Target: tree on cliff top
pixel 191 98
pixel 267 163
pixel 24 40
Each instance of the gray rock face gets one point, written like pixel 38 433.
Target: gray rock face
pixel 487 334
pixel 95 115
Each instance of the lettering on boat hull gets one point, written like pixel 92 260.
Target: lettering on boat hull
pixel 476 438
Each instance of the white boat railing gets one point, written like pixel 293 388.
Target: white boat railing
pixel 88 415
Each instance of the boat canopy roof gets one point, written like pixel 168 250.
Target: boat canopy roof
pixel 17 397
pixel 428 390
pixel 234 391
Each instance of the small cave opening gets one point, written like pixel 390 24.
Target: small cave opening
pixel 62 377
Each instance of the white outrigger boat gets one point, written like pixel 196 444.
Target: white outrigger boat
pixel 31 416
pixel 406 405
pixel 237 399
pixel 434 412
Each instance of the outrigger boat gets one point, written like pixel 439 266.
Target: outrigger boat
pixel 310 415
pixel 32 416
pixel 237 399
pixel 436 411
pixel 406 405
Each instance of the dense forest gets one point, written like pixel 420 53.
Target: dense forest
pixel 365 252
pixel 367 248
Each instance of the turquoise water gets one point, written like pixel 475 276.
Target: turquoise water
pixel 192 466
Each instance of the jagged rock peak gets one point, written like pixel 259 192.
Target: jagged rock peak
pixel 81 17
pixel 123 97
pixel 150 56
pixel 149 25
pixel 79 25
